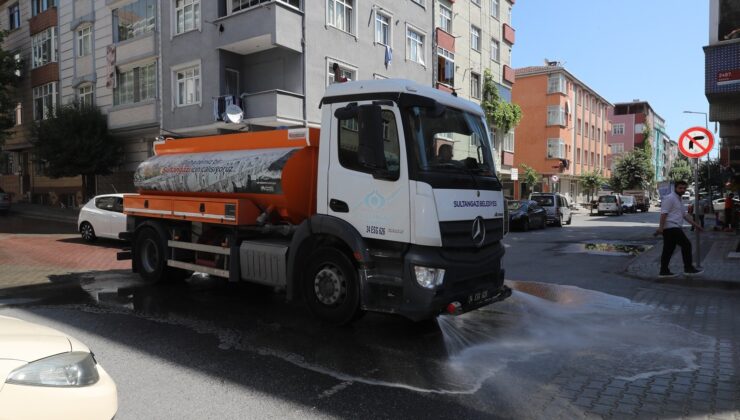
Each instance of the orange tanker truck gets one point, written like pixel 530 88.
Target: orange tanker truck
pixel 392 206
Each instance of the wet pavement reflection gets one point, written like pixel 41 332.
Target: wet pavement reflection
pixel 607 248
pixel 551 327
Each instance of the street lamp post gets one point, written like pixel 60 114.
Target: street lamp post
pixel 696 192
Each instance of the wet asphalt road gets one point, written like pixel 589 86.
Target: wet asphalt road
pixel 206 349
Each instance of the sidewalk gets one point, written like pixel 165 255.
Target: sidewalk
pixel 719 261
pixel 38 211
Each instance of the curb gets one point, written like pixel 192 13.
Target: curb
pixel 696 281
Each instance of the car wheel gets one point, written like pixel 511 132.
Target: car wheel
pixel 525 225
pixel 87 232
pixel 570 219
pixel 544 223
pixel 331 287
pixel 559 222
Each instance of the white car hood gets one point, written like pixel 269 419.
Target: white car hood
pixel 25 341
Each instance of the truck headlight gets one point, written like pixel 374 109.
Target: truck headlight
pixel 72 369
pixel 429 277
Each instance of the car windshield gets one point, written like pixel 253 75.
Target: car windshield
pixel 543 200
pixel 628 199
pixel 448 139
pixel 607 199
pixel 515 205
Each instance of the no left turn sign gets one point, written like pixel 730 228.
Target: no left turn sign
pixel 695 142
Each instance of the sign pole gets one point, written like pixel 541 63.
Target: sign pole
pixel 696 213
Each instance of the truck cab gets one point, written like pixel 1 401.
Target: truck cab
pixel 408 218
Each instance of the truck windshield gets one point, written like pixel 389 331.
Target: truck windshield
pixel 451 140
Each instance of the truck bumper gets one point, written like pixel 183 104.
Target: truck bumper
pixel 473 279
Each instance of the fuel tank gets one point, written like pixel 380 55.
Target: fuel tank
pixel 273 169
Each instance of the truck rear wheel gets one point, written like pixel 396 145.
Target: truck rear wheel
pixel 151 258
pixel 331 287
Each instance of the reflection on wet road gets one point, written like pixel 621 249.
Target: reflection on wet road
pixel 548 326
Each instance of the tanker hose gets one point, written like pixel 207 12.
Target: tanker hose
pixel 262 218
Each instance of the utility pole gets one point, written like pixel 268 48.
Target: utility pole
pixel 697 258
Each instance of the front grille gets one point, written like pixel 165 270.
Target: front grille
pixel 458 234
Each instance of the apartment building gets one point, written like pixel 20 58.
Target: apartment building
pixel 722 80
pixel 275 58
pixel 472 36
pixel 629 120
pixel 563 132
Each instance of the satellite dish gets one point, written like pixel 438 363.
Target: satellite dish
pixel 234 114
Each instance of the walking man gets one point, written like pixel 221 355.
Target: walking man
pixel 672 215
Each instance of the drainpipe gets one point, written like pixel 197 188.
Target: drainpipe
pixel 303 63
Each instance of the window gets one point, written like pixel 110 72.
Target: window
pixel 555 115
pixel 617 148
pixel 135 19
pixel 578 155
pixel 579 128
pixel 110 204
pixel 618 129
pixel 509 142
pixel 86 95
pixel 445 66
pixel 556 83
pixel 14 16
pixel 84 41
pixel 495 50
pixel 414 46
pixel 593 159
pixel 349 142
pixel 639 128
pixel 475 85
pixel 340 15
pixel 39 6
pixel 346 73
pixel 445 18
pixel 593 132
pixel 474 38
pixel 475 2
pixel 44 101
pixel 555 149
pixel 494 8
pixel 136 85
pixel 188 86
pixel 187 15
pixel 231 80
pixel 598 134
pixel 419 2
pixel 382 28
pixel 44 47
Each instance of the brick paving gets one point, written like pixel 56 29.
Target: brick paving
pixel 34 259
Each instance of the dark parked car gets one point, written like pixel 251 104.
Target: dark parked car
pixel 628 204
pixel 525 214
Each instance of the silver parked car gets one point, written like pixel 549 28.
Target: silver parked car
pixel 556 205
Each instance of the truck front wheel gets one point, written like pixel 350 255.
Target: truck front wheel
pixel 331 287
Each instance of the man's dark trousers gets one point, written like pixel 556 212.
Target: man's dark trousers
pixel 671 238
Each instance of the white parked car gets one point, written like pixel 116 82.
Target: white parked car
pixel 50 375
pixel 102 217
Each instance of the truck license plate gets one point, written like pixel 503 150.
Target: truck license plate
pixel 478 296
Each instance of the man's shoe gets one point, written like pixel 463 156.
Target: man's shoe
pixel 664 274
pixel 692 272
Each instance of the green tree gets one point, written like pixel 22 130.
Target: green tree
pixel 680 171
pixel 9 67
pixel 531 177
pixel 633 170
pixel 712 176
pixel 499 113
pixel 75 141
pixel 591 181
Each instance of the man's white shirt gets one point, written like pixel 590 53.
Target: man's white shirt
pixel 673 207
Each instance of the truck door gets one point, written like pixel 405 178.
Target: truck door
pixel 377 208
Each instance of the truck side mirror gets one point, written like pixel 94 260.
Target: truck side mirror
pixel 370 149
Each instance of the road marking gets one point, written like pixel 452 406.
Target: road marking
pixel 336 388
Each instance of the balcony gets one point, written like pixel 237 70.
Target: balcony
pixel 136 115
pixel 263 27
pixel 509 34
pixel 509 75
pixel 273 108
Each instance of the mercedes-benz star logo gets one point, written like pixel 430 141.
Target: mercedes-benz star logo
pixel 478 232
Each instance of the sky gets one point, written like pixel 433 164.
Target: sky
pixel 625 49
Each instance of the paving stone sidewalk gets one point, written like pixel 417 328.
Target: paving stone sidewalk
pixel 719 269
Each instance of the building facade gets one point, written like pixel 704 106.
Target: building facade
pixel 628 120
pixel 722 81
pixel 563 133
pixel 472 36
